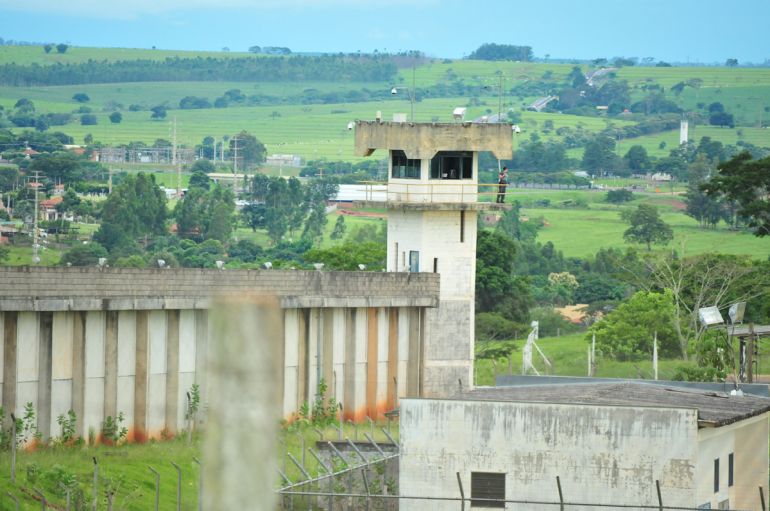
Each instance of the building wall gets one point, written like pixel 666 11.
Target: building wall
pixel 747 440
pixel 602 454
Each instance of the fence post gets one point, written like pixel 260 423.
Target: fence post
pixel 366 487
pixel 110 495
pixel 43 502
pixel 96 484
pixel 561 495
pixel 13 449
pixel 178 487
pixel 200 483
pixel 660 498
pixel 157 486
pixel 761 498
pixel 13 498
pixel 462 493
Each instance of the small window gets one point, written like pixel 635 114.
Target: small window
pixel 448 165
pixel 487 489
pixel 414 261
pixel 730 464
pixel 403 167
pixel 716 475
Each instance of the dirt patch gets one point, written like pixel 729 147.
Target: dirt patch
pixel 366 214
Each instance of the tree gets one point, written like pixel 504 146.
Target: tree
pixel 84 255
pixel 255 49
pixel 81 97
pixel 88 119
pixel 646 226
pixel 746 182
pixel 5 252
pixel 627 333
pixel 348 256
pixel 637 159
pixel 706 210
pixel 250 150
pixel 619 196
pixel 199 179
pixel 136 207
pixel 731 62
pixel 62 48
pixel 497 290
pixel 58 167
pixel 339 228
pixel 722 119
pixel 47 48
pixel 116 117
pixel 599 155
pixel 158 112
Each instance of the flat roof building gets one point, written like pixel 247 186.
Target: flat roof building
pixel 608 443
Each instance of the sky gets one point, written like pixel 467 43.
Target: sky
pixel 702 31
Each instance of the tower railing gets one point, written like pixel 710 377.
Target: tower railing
pixel 440 191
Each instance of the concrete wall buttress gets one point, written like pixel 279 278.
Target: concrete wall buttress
pixel 45 338
pixel 186 369
pixel 156 372
pixel 291 361
pixel 126 366
pixel 61 368
pixel 201 353
pixel 140 380
pixel 93 413
pixel 111 364
pixel 170 422
pixel 382 363
pixel 79 370
pixel 27 361
pixel 337 384
pixel 10 321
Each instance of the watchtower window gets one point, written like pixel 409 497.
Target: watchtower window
pixel 403 167
pixel 451 165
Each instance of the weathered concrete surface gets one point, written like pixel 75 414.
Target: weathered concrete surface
pixel 62 289
pixel 424 140
pixel 603 454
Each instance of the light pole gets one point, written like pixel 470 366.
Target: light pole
pixel 410 91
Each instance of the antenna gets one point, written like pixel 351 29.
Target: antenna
pixel 35 246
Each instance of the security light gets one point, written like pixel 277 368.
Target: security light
pixel 267 265
pixel 515 128
pixel 318 266
pixel 102 261
pixel 221 265
pixel 710 316
pixel 736 312
pixel 459 113
pixel 394 91
pixel 362 267
pixel 351 125
pixel 161 263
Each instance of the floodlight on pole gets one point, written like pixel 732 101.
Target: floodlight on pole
pixel 410 91
pixel 710 316
pixel 736 312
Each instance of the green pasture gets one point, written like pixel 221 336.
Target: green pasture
pixel 757 136
pixel 568 355
pixel 711 76
pixel 581 232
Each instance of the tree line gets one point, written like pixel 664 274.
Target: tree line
pixel 333 68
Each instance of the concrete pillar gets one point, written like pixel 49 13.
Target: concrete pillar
pixel 357 369
pixel 27 361
pixel 392 378
pixel 314 345
pixel 140 379
pixel 327 350
pixel 156 373
pixel 79 370
pixel 126 370
pixel 10 320
pixel 414 368
pixel 350 399
pixel 187 358
pixel 93 413
pixel 170 422
pixel 61 368
pixel 403 351
pixel 303 360
pixel 111 364
pixel 371 362
pixel 382 362
pixel 239 451
pixel 45 338
pixel 338 354
pixel 291 362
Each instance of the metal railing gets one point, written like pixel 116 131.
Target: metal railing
pixel 438 191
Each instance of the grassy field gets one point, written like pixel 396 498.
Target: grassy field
pixel 76 54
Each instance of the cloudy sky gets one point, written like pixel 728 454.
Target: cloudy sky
pixel 674 30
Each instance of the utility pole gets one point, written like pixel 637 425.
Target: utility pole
pixel 176 163
pixel 35 246
pixel 235 155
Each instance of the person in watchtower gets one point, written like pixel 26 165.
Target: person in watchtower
pixel 502 181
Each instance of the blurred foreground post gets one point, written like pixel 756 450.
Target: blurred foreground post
pixel 239 463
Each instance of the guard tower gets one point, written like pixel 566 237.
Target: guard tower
pixel 433 200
